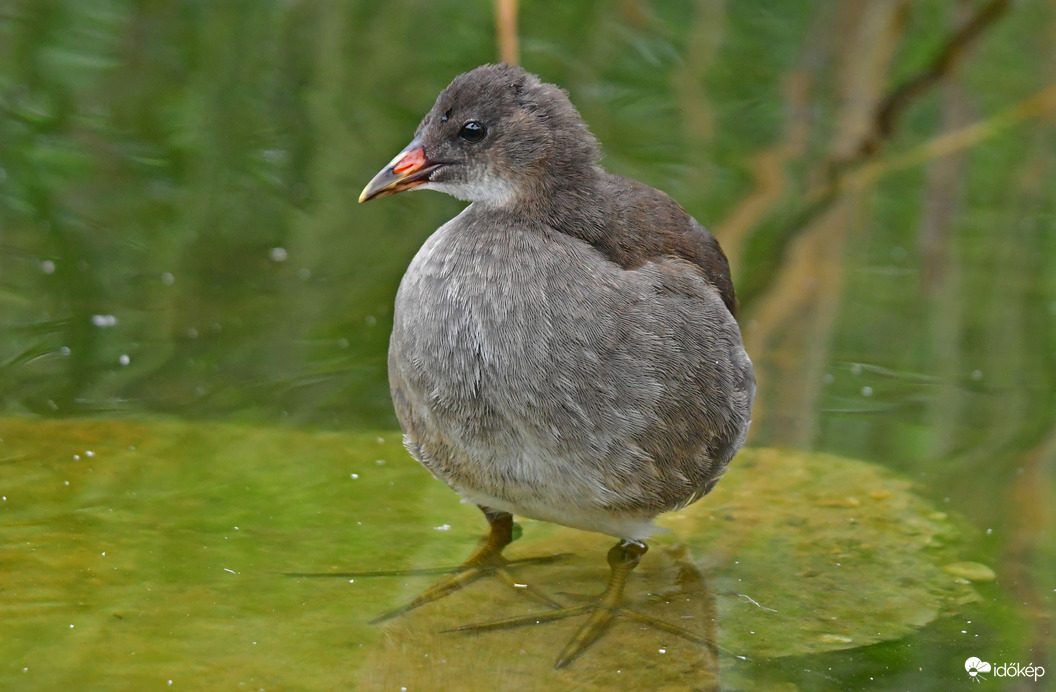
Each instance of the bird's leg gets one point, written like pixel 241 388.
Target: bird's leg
pixel 486 560
pixel 623 558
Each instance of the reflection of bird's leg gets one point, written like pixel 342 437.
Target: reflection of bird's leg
pixel 690 583
pixel 486 561
pixel 623 558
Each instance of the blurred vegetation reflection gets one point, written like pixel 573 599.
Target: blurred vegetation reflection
pixel 179 231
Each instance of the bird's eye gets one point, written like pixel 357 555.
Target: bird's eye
pixel 473 131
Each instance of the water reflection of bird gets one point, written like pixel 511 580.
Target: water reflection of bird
pixel 565 348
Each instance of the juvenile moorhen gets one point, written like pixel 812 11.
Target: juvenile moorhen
pixel 565 348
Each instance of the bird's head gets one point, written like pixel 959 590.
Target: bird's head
pixel 495 134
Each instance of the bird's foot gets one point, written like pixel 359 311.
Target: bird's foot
pixel 469 572
pixel 487 561
pixel 601 611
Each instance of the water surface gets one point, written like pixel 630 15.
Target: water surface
pixel 189 291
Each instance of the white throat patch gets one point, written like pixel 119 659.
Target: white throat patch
pixel 496 192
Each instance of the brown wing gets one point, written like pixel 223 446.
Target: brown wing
pixel 647 225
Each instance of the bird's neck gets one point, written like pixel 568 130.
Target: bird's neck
pixel 570 201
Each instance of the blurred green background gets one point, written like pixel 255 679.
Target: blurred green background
pixel 180 238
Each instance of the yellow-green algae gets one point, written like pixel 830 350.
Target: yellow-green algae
pixel 137 553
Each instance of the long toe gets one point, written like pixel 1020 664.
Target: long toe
pixel 600 616
pixel 444 587
pixel 596 624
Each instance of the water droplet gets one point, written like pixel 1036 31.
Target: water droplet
pixel 274 156
pixel 103 321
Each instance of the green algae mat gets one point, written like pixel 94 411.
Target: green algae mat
pixel 171 555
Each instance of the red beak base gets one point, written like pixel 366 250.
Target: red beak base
pixel 409 169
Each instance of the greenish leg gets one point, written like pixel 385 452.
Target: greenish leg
pixel 486 561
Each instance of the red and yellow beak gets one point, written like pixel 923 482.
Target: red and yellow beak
pixel 408 170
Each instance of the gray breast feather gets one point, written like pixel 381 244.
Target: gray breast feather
pixel 528 371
